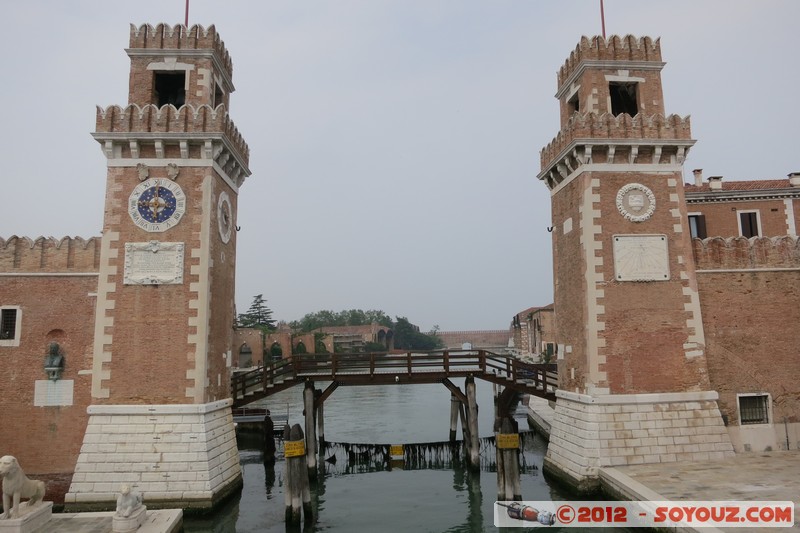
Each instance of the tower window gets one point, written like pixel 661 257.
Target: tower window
pixel 218 96
pixel 170 88
pixel 748 224
pixel 697 226
pixel 573 104
pixel 623 98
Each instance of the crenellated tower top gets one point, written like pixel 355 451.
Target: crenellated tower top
pixel 612 109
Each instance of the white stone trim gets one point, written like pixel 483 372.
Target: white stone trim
pixel 617 167
pixel 789 210
pixel 161 409
pixel 201 301
pixel 102 318
pixel 589 230
pixel 656 397
pixel 197 163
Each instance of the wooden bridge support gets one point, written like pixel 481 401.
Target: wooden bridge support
pixel 472 422
pixel 454 407
pixel 509 486
pixel 321 426
pixel 311 429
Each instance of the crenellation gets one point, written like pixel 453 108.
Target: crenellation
pixel 733 253
pixel 179 37
pixel 613 48
pixel 151 119
pixel 603 128
pixel 49 255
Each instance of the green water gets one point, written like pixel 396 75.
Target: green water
pixel 440 496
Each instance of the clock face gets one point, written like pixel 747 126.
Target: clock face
pixel 156 204
pixel 224 217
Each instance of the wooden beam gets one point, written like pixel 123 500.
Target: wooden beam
pixel 455 390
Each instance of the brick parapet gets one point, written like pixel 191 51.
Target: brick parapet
pixel 170 121
pixel 614 48
pixel 740 253
pixel 49 255
pixel 591 129
pixel 179 37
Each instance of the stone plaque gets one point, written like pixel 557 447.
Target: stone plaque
pixel 53 393
pixel 153 263
pixel 636 202
pixel 641 258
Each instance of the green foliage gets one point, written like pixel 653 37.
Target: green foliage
pixel 408 337
pixel 258 316
pixel 299 349
pixel 351 317
pixel 374 347
pixel 276 351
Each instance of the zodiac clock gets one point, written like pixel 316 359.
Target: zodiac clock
pixel 156 204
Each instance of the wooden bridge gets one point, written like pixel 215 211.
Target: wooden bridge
pixel 385 369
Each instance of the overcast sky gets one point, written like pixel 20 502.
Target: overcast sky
pixel 394 143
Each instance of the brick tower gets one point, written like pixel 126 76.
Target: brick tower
pixel 631 355
pixel 160 417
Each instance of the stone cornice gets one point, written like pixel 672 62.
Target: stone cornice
pixel 216 147
pixel 578 153
pixel 740 196
pixel 219 65
pixel 597 64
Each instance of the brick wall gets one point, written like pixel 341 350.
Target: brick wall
pixel 479 339
pixel 750 296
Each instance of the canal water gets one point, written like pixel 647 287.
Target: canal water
pixel 358 494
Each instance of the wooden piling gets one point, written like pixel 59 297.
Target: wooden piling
pixel 454 403
pixel 472 421
pixel 321 427
pixel 512 487
pixel 269 439
pixel 298 491
pixel 311 429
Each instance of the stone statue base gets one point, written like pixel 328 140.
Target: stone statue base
pixel 32 518
pixel 131 523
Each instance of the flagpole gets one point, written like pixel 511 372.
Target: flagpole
pixel 186 21
pixel 602 17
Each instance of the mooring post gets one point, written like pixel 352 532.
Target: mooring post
pixel 510 452
pixel 321 428
pixel 501 476
pixel 311 429
pixel 454 403
pixel 472 420
pixel 298 491
pixel 269 438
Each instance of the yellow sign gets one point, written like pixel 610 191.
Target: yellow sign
pixel 294 448
pixel 508 441
pixel 396 449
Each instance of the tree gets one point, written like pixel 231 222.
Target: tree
pixel 259 316
pixel 408 337
pixel 351 317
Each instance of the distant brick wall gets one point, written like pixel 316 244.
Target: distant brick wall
pixel 479 339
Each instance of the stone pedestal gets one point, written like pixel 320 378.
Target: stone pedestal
pixel 181 456
pixel 131 523
pixel 590 432
pixel 32 519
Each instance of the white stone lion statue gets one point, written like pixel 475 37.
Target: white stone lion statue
pixel 16 485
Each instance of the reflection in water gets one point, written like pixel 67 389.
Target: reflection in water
pixel 363 490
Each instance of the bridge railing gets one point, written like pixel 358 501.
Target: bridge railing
pixel 482 363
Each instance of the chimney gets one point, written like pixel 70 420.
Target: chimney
pixel 715 183
pixel 794 179
pixel 698 177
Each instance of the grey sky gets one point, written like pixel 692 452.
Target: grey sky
pixel 394 143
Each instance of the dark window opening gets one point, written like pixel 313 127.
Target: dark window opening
pixel 697 226
pixel 8 324
pixel 749 223
pixel 170 88
pixel 754 409
pixel 218 96
pixel 623 98
pixel 573 104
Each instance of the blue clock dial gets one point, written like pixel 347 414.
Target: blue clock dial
pixel 156 204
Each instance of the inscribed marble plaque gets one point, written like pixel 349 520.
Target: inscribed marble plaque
pixel 153 263
pixel 52 393
pixel 641 258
